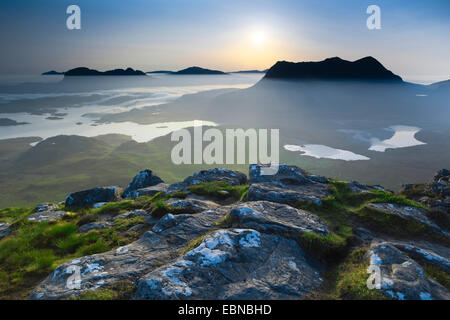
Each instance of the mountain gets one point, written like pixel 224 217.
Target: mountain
pixel 198 70
pixel 52 72
pixel 367 68
pixel 83 71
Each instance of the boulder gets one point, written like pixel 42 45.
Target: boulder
pixel 47 216
pixel 286 174
pixel 143 179
pixel 400 277
pixel 235 264
pixel 5 229
pixel 407 212
pixel 289 185
pixel 87 198
pixel 191 205
pixel 276 218
pixel 218 174
pixel 288 194
pixel 431 253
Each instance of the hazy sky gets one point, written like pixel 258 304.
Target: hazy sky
pixel 414 40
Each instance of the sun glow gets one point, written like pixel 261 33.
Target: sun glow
pixel 258 38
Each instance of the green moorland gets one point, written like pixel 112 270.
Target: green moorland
pixel 64 164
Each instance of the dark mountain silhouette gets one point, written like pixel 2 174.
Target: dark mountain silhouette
pixel 83 71
pixel 52 72
pixel 367 68
pixel 198 70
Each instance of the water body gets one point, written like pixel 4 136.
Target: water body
pixel 320 151
pixel 80 110
pixel 404 136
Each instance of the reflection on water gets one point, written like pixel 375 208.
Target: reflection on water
pixel 320 151
pixel 404 136
pixel 138 132
pixel 76 114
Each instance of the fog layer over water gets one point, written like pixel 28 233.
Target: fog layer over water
pixel 73 106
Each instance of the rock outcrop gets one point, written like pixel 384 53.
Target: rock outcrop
pixel 401 277
pixel 261 247
pixel 235 264
pixel 289 185
pixel 408 212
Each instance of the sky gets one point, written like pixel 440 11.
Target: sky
pixel 227 35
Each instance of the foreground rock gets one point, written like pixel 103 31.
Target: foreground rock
pixel 90 197
pixel 258 260
pixel 194 248
pixel 277 218
pixel 235 264
pixel 401 277
pixel 143 179
pixel 288 186
pixel 407 212
pixel 129 262
pixel 191 205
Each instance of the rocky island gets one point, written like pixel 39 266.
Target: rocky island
pixel 83 71
pixel 220 234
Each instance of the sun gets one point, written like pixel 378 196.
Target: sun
pixel 258 38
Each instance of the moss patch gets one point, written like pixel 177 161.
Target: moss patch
pixel 219 189
pixel 437 274
pixel 121 291
pixel 323 247
pixel 351 279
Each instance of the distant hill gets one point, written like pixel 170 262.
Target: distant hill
pixel 52 72
pixel 83 71
pixel 367 68
pixel 198 70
